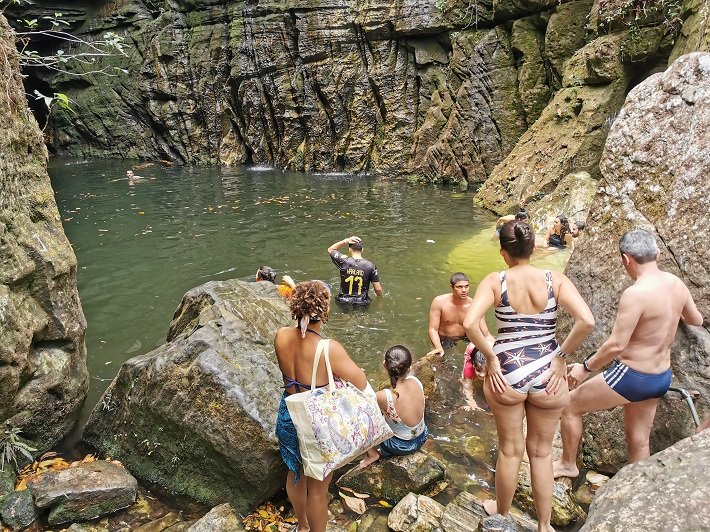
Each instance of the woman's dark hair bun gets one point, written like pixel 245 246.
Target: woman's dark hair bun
pixel 523 233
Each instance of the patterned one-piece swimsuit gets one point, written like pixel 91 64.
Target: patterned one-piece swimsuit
pixel 526 344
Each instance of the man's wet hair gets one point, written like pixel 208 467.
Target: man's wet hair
pixel 517 239
pixel 266 273
pixel 355 246
pixel 457 278
pixel 522 215
pixel 639 244
pixel 580 225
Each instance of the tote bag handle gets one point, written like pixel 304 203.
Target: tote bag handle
pixel 323 348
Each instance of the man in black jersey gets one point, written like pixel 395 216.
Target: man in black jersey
pixel 356 273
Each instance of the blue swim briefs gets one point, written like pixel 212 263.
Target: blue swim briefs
pixel 634 385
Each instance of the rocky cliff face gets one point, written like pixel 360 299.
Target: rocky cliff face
pixel 655 170
pixel 43 376
pixel 439 90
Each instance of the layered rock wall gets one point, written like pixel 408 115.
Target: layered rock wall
pixel 43 376
pixel 439 90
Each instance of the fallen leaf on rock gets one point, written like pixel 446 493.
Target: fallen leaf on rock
pixel 356 505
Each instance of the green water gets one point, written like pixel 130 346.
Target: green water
pixel 141 247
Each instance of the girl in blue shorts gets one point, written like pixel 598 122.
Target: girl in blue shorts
pixel 402 406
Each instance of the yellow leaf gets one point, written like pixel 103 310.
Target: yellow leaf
pixel 264 514
pixel 141 212
pixel 385 504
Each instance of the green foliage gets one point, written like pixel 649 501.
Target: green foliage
pixel 466 12
pixel 12 447
pixel 634 13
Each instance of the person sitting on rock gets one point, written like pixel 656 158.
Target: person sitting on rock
pixel 402 406
pixel 560 234
pixel 266 273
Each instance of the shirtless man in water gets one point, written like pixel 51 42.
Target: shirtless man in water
pixel 446 317
pixel 640 341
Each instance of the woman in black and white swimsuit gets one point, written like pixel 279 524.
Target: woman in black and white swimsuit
pixel 526 370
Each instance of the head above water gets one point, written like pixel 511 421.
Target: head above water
pixel 517 239
pixel 522 215
pixel 578 227
pixel 398 361
pixel 129 174
pixel 458 277
pixel 460 285
pixel 266 273
pixel 640 245
pixel 355 246
pixel 564 224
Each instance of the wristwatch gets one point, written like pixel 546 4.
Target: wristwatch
pixel 562 354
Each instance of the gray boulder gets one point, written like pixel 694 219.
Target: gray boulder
pixel 221 518
pixel 668 491
pixel 43 376
pixel 655 169
pixel 197 415
pixel 466 514
pixel 17 510
pixel 392 478
pixel 565 509
pixel 83 492
pixel 415 513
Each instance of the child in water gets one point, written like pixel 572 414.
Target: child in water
pixel 402 406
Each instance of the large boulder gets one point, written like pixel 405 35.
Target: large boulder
pixel 83 492
pixel 197 415
pixel 43 375
pixel 17 510
pixel 655 169
pixel 668 491
pixel 221 518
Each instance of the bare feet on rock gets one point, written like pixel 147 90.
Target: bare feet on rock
pixel 372 457
pixel 560 469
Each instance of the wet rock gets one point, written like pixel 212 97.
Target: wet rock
pixel 565 509
pixel 373 520
pixel 565 33
pixel 221 518
pixel 182 526
pixel 655 176
pixel 572 197
pixel 17 510
pixel 595 480
pixel 8 478
pixel 695 33
pixel 197 415
pixel 43 375
pixel 394 477
pixel 668 491
pixel 415 513
pixel 83 492
pixel 158 525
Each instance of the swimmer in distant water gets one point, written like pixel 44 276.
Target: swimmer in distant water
pixel 521 216
pixel 132 178
pixel 266 273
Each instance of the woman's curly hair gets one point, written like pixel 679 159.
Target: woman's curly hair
pixel 310 298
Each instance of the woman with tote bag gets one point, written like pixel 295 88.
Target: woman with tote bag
pixel 295 350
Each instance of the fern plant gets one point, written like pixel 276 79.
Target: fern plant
pixel 12 447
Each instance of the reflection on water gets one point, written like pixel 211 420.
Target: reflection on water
pixel 141 247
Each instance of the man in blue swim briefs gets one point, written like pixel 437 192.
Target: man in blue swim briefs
pixel 640 348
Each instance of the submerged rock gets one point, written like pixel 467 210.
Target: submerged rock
pixel 83 492
pixel 668 491
pixel 43 375
pixel 655 169
pixel 17 510
pixel 197 415
pixel 394 477
pixel 415 513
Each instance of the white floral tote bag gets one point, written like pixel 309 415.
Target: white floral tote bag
pixel 334 424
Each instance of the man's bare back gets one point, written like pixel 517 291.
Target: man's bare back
pixel 659 300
